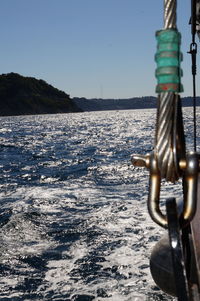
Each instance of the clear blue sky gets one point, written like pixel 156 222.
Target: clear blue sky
pixel 89 48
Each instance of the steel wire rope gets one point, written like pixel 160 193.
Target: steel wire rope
pixel 164 137
pixel 193 52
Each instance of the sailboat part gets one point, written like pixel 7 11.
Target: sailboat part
pixel 195 26
pixel 168 58
pixel 195 18
pixel 190 169
pixel 193 52
pixel 140 160
pixel 169 114
pixel 190 182
pixel 161 266
pixel 176 247
pixel 170 13
pixel 169 160
pixel 195 233
pixel 184 260
pixel 169 140
pixel 174 262
pixel 198 17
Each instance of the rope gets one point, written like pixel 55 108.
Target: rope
pixel 164 144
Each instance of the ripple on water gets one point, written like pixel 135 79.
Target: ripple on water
pixel 74 222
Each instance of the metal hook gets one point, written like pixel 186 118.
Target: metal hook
pixel 190 168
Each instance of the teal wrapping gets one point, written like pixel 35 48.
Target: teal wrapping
pixel 168 58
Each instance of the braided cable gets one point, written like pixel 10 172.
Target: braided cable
pixel 165 114
pixel 164 137
pixel 170 14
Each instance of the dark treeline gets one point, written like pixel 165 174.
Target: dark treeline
pixel 27 95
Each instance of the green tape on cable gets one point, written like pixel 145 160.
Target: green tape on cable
pixel 168 58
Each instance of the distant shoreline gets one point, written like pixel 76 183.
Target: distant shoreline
pixel 21 95
pixel 135 103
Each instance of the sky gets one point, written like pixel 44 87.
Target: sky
pixel 89 48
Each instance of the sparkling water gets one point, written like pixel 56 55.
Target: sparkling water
pixel 73 215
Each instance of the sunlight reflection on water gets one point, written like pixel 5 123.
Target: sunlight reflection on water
pixel 74 222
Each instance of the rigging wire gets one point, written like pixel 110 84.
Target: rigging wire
pixel 193 52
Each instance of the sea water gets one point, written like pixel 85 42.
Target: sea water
pixel 73 215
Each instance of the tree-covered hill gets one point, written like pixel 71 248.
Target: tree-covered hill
pixel 21 95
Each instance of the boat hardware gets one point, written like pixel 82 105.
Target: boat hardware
pixel 182 287
pixel 169 160
pixel 190 168
pixel 195 10
pixel 183 256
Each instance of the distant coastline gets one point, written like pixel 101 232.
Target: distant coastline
pixel 135 103
pixel 21 95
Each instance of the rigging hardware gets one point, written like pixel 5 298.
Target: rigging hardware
pixel 182 288
pixel 193 52
pixel 169 160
